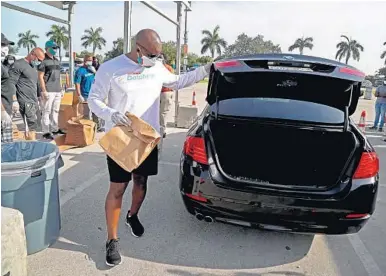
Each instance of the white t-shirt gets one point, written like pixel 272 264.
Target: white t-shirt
pixel 132 88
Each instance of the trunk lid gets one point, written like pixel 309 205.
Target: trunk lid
pixel 291 77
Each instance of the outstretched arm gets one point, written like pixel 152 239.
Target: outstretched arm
pixel 177 82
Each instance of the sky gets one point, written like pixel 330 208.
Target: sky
pixel 282 22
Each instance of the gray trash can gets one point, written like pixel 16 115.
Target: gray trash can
pixel 29 183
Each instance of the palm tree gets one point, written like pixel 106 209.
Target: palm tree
pixel 212 42
pixel 59 34
pixel 93 38
pixel 349 48
pixel 302 43
pixel 27 40
pixel 383 56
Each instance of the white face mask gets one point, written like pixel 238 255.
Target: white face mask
pixel 148 62
pixel 4 51
pixel 89 63
pixel 11 62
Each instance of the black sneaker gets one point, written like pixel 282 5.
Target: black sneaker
pixel 59 132
pixel 164 135
pixel 113 257
pixel 48 136
pixel 373 127
pixel 137 229
pixel 380 129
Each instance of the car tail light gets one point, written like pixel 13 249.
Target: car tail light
pixel 356 216
pixel 368 166
pixel 351 71
pixel 198 197
pixel 195 148
pixel 228 63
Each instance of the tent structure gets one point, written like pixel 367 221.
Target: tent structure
pixel 69 6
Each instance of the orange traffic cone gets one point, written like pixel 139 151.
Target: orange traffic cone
pixel 362 121
pixel 194 98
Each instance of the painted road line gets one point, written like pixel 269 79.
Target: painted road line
pixel 374 136
pixel 364 255
pixel 73 193
pixel 379 146
pixel 169 163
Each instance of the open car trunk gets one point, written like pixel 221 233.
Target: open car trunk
pixel 281 155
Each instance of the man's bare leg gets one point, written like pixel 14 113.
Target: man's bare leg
pixel 138 196
pixel 113 208
pixel 138 192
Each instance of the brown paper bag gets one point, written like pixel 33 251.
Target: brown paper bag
pixel 80 132
pixel 130 146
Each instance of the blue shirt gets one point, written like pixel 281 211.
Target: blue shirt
pixel 85 78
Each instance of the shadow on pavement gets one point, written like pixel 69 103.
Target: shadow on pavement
pixel 178 272
pixel 172 236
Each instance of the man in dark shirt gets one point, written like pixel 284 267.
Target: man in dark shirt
pixel 6 95
pixel 23 79
pixel 51 91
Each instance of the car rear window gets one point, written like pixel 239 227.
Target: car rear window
pixel 276 108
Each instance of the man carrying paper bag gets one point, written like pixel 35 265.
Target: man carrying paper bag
pixel 132 83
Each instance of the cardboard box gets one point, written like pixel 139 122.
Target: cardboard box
pixel 80 132
pixel 130 146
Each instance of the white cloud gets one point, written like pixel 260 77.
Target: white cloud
pixel 281 22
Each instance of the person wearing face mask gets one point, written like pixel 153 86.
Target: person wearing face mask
pixel 84 78
pixel 132 83
pixel 95 63
pixel 51 91
pixel 23 79
pixel 9 61
pixel 7 95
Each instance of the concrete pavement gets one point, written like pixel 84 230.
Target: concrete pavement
pixel 175 243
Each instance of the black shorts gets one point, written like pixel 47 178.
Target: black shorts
pixel 147 168
pixel 28 112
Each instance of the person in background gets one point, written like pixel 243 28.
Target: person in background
pixel 9 60
pixel 132 83
pixel 380 107
pixel 166 100
pixel 51 91
pixel 23 79
pixel 84 78
pixel 7 95
pixel 95 63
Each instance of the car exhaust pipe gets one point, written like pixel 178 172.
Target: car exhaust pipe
pixel 199 216
pixel 208 219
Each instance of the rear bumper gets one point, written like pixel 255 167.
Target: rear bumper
pixel 274 220
pixel 275 211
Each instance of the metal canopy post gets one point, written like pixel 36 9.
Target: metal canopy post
pixel 128 6
pixel 178 57
pixel 71 56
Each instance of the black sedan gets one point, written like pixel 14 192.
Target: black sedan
pixel 275 148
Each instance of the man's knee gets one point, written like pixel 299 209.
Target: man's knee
pixel 117 189
pixel 140 181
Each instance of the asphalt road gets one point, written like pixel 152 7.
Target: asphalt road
pixel 175 243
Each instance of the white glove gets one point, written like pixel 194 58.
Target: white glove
pixel 6 121
pixel 120 119
pixel 15 107
pixel 81 99
pixel 207 67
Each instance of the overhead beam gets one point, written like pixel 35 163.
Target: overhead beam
pixel 164 15
pixel 34 13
